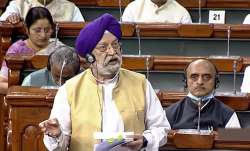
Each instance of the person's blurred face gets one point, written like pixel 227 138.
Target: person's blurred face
pixel 200 78
pixel 108 56
pixel 40 32
pixel 67 73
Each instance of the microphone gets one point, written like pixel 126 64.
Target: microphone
pixel 61 72
pixel 199 114
pixel 139 39
pixel 57 29
pixel 228 40
pixel 44 3
pixel 90 58
pixel 235 72
pixel 199 11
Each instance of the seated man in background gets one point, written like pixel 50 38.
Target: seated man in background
pixel 61 10
pixel 161 11
pixel 201 80
pixel 63 64
pixel 245 87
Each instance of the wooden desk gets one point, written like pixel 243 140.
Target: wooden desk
pixel 2 122
pixel 29 106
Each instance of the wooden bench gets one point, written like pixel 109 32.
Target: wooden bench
pixel 175 63
pixel 164 39
pixel 29 106
pixel 19 63
pixel 10 33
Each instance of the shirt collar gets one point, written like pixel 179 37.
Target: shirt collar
pixel 162 6
pixel 109 81
pixel 33 3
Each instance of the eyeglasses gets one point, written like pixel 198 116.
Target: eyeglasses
pixel 103 47
pixel 44 30
pixel 205 77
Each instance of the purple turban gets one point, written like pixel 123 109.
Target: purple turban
pixel 92 33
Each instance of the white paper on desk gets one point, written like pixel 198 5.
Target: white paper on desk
pixel 194 131
pixel 115 146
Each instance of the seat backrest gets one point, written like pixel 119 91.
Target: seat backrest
pixel 244 117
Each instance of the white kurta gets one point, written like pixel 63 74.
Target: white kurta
pixel 245 87
pixel 13 7
pixel 147 11
pixel 247 19
pixel 156 122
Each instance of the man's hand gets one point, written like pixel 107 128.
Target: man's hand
pixel 136 144
pixel 51 127
pixel 14 18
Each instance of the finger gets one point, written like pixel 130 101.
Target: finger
pixel 53 121
pixel 41 125
pixel 135 136
pixel 43 129
pixel 44 124
pixel 10 19
pixel 14 18
pixel 46 133
pixel 138 136
pixel 135 145
pixel 52 135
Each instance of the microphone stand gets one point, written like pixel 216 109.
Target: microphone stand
pixel 44 3
pixel 199 115
pixel 199 11
pixel 235 72
pixel 147 67
pixel 228 40
pixel 120 10
pixel 139 39
pixel 57 29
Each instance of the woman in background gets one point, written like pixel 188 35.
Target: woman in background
pixel 39 28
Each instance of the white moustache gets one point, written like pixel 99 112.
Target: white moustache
pixel 116 59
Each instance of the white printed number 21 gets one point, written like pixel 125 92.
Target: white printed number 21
pixel 217 16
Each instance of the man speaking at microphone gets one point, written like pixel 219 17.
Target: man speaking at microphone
pixel 104 98
pixel 201 80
